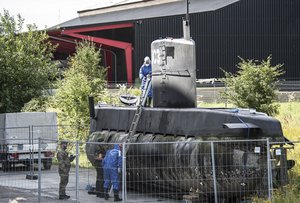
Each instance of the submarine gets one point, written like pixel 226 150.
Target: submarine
pixel 211 152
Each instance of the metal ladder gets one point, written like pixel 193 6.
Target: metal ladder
pixel 138 112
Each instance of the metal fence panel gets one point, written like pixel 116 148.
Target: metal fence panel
pixel 182 171
pixel 92 174
pixel 169 171
pixel 198 171
pixel 16 176
pixel 241 170
pixel 285 168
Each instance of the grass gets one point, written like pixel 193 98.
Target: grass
pixel 289 116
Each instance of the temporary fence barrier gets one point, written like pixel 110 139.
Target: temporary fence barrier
pixel 189 171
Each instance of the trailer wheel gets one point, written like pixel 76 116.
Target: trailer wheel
pixel 47 164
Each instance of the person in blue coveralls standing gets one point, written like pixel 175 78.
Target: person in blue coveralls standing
pixel 112 164
pixel 146 71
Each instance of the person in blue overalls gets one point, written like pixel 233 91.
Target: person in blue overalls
pixel 146 71
pixel 112 164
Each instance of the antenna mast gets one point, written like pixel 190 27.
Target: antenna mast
pixel 186 23
pixel 187 17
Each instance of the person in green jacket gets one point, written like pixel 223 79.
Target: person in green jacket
pixel 64 165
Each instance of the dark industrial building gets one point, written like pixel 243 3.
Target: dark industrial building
pixel 223 31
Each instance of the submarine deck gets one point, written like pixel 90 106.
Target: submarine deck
pixel 193 122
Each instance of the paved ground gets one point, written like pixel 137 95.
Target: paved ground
pixel 15 188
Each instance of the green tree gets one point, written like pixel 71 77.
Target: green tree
pixel 25 63
pixel 84 77
pixel 254 85
pixel 37 104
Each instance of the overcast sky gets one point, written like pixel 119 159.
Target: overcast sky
pixel 47 13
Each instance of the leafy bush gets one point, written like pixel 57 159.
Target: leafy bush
pixel 84 78
pixel 38 104
pixel 25 63
pixel 254 85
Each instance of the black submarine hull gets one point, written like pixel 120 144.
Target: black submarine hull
pixel 171 150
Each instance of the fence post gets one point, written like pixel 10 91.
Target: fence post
pixel 124 191
pixel 77 171
pixel 270 183
pixel 214 170
pixel 40 171
pixel 31 175
pixel 226 97
pixel 31 150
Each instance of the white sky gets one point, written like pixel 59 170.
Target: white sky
pixel 48 13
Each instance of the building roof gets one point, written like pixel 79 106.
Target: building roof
pixel 109 3
pixel 148 11
pixel 123 5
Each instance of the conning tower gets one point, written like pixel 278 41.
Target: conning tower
pixel 174 71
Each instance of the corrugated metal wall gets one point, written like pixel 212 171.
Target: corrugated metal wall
pixel 149 30
pixel 251 29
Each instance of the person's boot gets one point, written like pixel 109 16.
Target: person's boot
pixel 116 196
pixel 63 197
pixel 101 195
pixel 106 196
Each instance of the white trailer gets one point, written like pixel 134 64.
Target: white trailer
pixel 19 134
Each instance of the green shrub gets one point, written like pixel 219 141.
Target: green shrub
pixel 254 85
pixel 36 104
pixel 84 78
